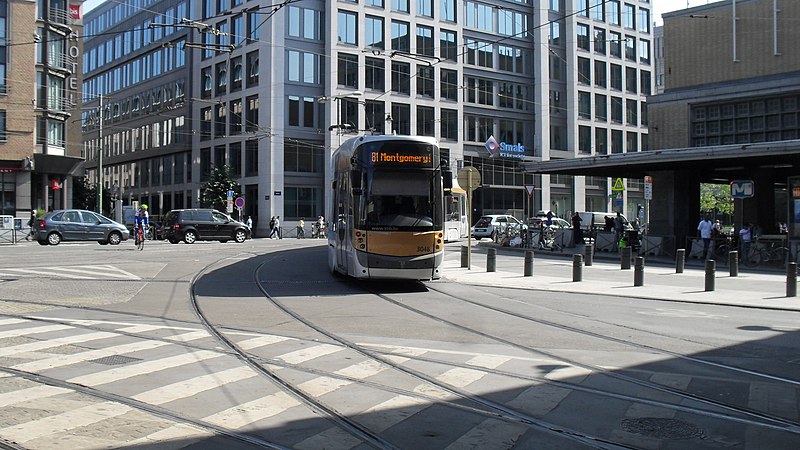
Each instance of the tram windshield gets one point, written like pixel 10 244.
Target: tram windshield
pixel 401 200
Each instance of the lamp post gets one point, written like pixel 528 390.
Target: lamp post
pixel 100 162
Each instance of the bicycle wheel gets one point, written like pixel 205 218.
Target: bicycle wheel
pixel 777 256
pixel 752 258
pixel 140 240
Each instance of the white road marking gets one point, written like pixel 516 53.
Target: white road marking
pixel 51 343
pixel 66 360
pixel 261 341
pixel 143 368
pixel 250 412
pixel 33 330
pixel 28 394
pixel 12 321
pixel 61 423
pixel 185 434
pixel 56 274
pixel 307 354
pixel 393 411
pixel 194 386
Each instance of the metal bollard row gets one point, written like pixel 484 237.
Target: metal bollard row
pixel 733 263
pixel 638 272
pixel 680 260
pixel 577 267
pixel 625 258
pixel 528 270
pixel 588 251
pixel 711 270
pixel 791 279
pixel 491 260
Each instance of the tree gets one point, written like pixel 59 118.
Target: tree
pixel 214 193
pixel 716 198
pixel 84 196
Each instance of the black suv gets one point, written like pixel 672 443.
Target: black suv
pixel 190 225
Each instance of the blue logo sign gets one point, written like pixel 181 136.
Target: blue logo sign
pixel 503 149
pixel 742 188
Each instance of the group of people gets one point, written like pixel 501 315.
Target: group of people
pixel 709 230
pixel 276 232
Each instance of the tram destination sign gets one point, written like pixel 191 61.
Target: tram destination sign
pixel 412 157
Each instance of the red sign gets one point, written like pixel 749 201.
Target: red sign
pixel 75 12
pixel 54 185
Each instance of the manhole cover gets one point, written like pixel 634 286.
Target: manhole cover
pixel 114 360
pixel 661 428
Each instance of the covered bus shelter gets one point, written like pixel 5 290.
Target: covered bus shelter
pixel 773 167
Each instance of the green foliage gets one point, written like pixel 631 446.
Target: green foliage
pixel 84 195
pixel 716 197
pixel 214 193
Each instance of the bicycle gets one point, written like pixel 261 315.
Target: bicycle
pixel 139 240
pixel 761 254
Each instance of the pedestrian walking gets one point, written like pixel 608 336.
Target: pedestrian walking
pixel 746 237
pixel 301 233
pixel 31 221
pixel 271 227
pixel 577 231
pixel 249 222
pixel 276 227
pixel 704 228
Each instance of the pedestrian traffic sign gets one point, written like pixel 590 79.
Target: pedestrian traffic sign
pixel 618 185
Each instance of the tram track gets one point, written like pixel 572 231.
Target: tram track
pixel 763 419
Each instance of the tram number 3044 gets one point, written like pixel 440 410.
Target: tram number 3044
pixel 423 249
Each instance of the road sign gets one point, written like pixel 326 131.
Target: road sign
pixel 530 188
pixel 742 188
pixel 618 185
pixel 230 194
pixel 239 202
pixel 648 188
pixel 469 178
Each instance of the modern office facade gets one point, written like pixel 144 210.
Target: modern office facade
pixel 39 94
pixel 272 92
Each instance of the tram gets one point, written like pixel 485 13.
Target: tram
pixel 387 209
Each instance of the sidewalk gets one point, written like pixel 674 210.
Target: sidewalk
pixel 554 272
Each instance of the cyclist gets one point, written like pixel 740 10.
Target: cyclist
pixel 142 218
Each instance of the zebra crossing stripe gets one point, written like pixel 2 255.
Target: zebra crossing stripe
pixel 28 394
pixel 393 411
pixel 307 354
pixel 261 341
pixel 66 360
pixel 33 330
pixel 143 368
pixel 11 321
pixel 64 422
pixel 93 273
pixel 186 434
pixel 194 386
pixel 51 343
pixel 55 274
pixel 251 412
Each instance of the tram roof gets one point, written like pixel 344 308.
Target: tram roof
pixel 714 162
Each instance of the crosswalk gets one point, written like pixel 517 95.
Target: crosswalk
pixel 210 386
pixel 78 272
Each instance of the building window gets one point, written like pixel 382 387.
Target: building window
pixel 449 84
pixel 600 107
pixel 207 82
pixel 220 121
pixel 425 80
pixel 401 118
pixel 612 9
pixel 615 44
pixel 252 69
pixel 630 48
pixel 348 70
pixel 584 71
pixel 375 69
pixel 616 77
pixel 303 157
pixel 205 123
pixel 3 128
pixel 601 142
pixel 401 78
pixel 447 45
pixel 598 10
pixel 629 16
pixel 236 116
pixel 584 105
pixel 303 202
pixel 347 28
pixel 631 112
pixel 616 141
pixel 251 158
pixel 401 40
pixel 236 74
pixel 447 10
pixel 424 40
pixel 400 5
pixel 632 142
pixel 585 140
pixel 222 78
pixel 375 116
pixel 449 124
pixel 644 51
pixel 425 121
pixel 599 41
pixel 293 112
pixel 644 20
pixel 251 115
pixel 616 109
pixel 583 36
pixel 631 80
pixel 600 74
pixel 374 32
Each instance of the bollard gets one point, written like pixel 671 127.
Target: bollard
pixel 625 258
pixel 588 251
pixel 638 272
pixel 528 263
pixel 791 279
pixel 711 269
pixel 577 267
pixel 733 263
pixel 491 260
pixel 680 259
pixel 464 256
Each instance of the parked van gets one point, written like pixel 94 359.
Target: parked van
pixel 597 220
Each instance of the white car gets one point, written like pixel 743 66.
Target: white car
pixel 493 225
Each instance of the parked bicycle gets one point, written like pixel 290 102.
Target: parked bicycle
pixel 773 254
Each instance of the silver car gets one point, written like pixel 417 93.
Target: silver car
pixel 78 225
pixel 493 225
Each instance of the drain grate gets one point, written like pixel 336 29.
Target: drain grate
pixel 661 428
pixel 114 360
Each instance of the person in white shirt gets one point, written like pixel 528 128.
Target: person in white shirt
pixel 704 227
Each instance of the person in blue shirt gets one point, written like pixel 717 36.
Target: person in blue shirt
pixel 142 218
